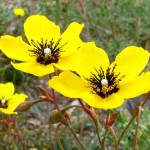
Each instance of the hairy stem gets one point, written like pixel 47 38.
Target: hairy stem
pixel 97 132
pixel 75 136
pixel 67 123
pixel 136 129
pixel 51 145
pixel 146 98
pixel 58 137
pixel 125 129
pixel 103 139
pixel 114 136
pixel 94 119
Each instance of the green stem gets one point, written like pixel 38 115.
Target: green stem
pixel 99 139
pixel 88 112
pixel 125 129
pixel 115 137
pixel 51 145
pixel 68 123
pixel 75 136
pixel 136 129
pixel 104 137
pixel 146 98
pixel 69 107
pixel 58 137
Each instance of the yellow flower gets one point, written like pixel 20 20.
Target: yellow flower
pixel 101 84
pixel 47 46
pixel 8 100
pixel 18 11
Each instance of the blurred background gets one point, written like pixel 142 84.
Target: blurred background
pixel 113 25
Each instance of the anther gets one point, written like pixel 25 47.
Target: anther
pixel 47 51
pixel 106 82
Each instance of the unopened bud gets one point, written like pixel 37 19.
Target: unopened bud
pixel 57 117
pixel 110 120
pixel 25 106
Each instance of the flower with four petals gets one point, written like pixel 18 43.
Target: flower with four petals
pixel 46 47
pixel 101 84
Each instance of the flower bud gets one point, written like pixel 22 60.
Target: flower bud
pixel 110 119
pixel 57 117
pixel 25 106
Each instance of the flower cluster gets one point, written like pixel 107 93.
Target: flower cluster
pixel 85 70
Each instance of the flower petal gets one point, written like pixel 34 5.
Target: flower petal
pixel 136 87
pixel 70 38
pixel 131 61
pixel 85 60
pixel 15 101
pixel 6 90
pixel 110 102
pixel 34 68
pixel 15 48
pixel 68 84
pixel 38 27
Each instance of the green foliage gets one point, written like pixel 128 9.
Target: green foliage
pixel 12 75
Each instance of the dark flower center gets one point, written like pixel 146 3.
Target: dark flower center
pixel 3 103
pixel 46 52
pixel 105 83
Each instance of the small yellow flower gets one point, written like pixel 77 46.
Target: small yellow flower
pixel 8 100
pixel 19 11
pixel 47 46
pixel 101 84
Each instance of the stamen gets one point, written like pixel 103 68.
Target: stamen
pixel 47 52
pixel 105 83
